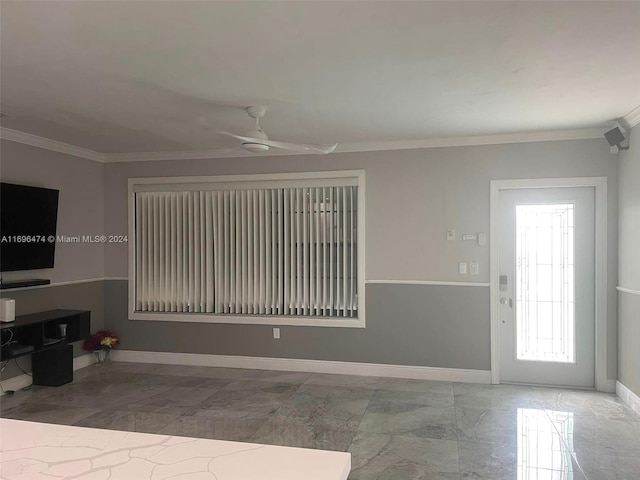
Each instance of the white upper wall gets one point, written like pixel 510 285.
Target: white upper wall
pixel 80 206
pixel 412 197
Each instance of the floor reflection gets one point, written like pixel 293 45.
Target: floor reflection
pixel 545 445
pixel 395 429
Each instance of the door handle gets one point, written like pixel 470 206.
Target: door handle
pixel 506 301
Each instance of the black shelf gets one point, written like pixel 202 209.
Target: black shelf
pixel 31 282
pixel 34 328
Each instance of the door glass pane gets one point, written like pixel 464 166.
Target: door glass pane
pixel 545 328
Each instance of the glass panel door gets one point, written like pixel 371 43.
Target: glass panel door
pixel 545 306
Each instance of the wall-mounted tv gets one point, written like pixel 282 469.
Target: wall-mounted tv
pixel 28 219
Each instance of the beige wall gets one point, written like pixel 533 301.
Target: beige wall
pixel 629 265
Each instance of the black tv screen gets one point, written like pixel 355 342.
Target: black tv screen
pixel 28 219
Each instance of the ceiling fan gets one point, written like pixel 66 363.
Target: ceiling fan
pixel 257 141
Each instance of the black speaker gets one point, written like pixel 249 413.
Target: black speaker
pixel 53 367
pixel 614 136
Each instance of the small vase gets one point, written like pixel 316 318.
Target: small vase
pixel 103 356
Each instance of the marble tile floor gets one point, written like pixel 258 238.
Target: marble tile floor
pixel 395 429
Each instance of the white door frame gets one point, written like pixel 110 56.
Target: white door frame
pixel 600 185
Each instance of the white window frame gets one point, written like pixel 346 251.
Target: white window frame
pixel 248 181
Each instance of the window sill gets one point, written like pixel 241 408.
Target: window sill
pixel 249 320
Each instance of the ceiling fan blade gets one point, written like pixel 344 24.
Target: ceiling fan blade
pixel 240 137
pixel 299 147
pixel 296 147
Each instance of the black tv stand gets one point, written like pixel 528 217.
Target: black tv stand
pixel 30 282
pixel 52 359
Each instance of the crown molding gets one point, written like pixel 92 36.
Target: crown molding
pixel 48 144
pixel 632 118
pixel 558 135
pixel 507 138
pixel 474 140
pixel 193 155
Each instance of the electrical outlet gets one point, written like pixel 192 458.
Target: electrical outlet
pixel 276 333
pixel 474 268
pixel 462 268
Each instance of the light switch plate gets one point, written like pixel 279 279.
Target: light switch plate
pixel 276 333
pixel 451 234
pixel 474 268
pixel 462 268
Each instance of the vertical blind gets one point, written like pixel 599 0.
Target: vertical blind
pixel 272 251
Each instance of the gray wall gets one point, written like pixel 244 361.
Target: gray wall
pixel 80 207
pixel 629 265
pixel 406 325
pixel 412 197
pixel 80 212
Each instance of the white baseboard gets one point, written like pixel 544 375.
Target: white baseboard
pixel 608 386
pixel 21 381
pixel 83 361
pixel 302 365
pixel 14 384
pixel 628 397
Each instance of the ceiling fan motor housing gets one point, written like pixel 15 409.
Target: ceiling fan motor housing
pixel 255 147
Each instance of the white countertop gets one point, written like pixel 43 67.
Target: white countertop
pixel 39 451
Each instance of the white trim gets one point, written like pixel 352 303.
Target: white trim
pixel 358 175
pixel 431 282
pixel 48 144
pixel 601 230
pixel 474 140
pixel 628 397
pixel 494 301
pixel 628 290
pixel 393 282
pixel 20 381
pixel 632 118
pixel 339 322
pixel 258 177
pixel 83 361
pixel 303 365
pixel 15 383
pixel 7 291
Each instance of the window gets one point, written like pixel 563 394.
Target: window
pixel 276 249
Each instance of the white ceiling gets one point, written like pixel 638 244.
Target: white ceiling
pixel 119 77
